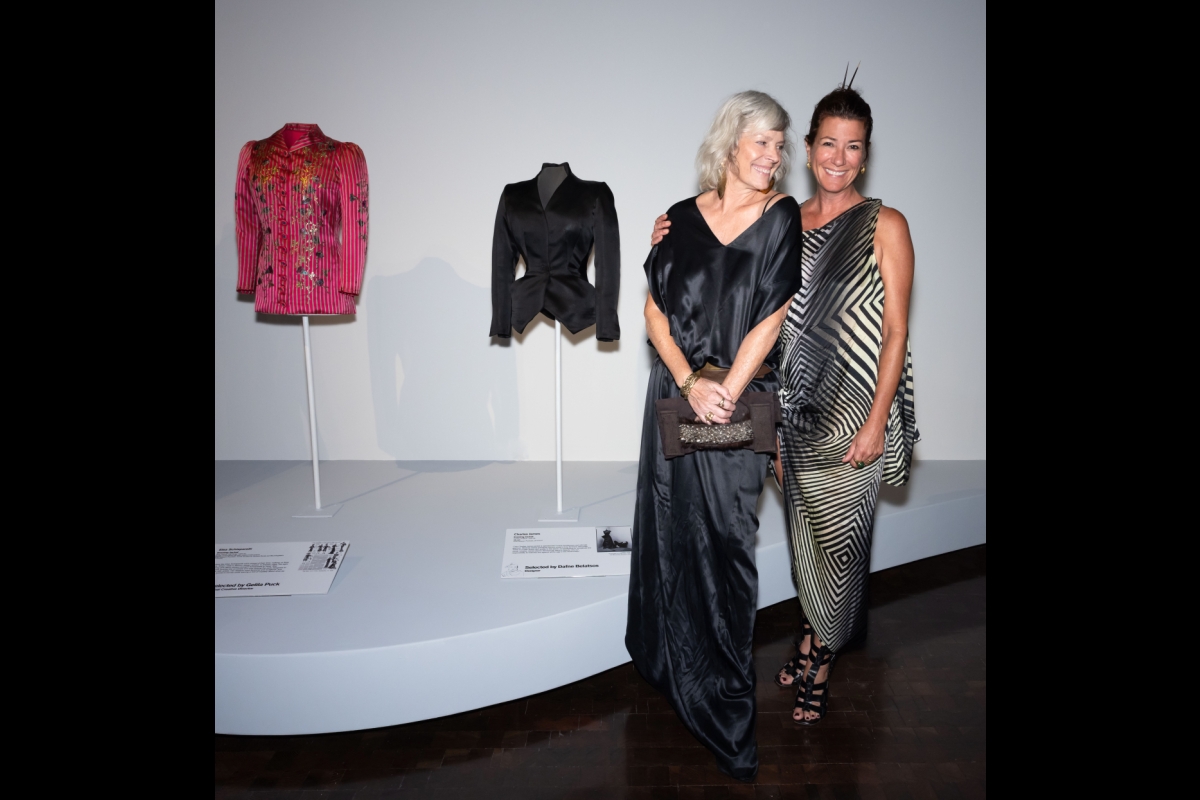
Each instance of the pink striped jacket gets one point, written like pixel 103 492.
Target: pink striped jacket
pixel 301 203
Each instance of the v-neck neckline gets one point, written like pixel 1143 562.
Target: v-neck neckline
pixel 746 230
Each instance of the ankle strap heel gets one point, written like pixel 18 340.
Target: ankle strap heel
pixel 813 696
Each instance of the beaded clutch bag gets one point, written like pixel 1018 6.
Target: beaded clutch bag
pixel 752 426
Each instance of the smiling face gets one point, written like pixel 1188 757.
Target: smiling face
pixel 756 157
pixel 838 152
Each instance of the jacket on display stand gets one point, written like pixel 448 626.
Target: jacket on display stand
pixel 301 202
pixel 552 222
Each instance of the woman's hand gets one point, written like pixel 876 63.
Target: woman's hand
pixel 867 446
pixel 661 228
pixel 709 397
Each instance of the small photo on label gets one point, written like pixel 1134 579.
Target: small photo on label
pixel 323 556
pixel 613 540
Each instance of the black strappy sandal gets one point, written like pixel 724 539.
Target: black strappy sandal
pixel 795 667
pixel 813 696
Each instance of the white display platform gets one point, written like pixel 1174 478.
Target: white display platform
pixel 419 624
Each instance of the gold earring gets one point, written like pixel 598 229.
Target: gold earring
pixel 808 165
pixel 863 170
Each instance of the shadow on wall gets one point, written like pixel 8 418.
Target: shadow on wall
pixel 441 388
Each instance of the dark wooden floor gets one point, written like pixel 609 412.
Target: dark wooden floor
pixel 907 720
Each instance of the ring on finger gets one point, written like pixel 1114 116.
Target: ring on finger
pixel 721 403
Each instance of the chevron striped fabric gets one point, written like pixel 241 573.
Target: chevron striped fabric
pixel 831 343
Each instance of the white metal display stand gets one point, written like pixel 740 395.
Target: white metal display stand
pixel 316 511
pixel 558 514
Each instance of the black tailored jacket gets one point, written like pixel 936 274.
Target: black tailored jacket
pixel 555 242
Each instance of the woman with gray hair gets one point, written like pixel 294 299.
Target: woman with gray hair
pixel 720 286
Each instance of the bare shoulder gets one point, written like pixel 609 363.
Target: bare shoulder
pixel 892 220
pixel 891 223
pixel 893 243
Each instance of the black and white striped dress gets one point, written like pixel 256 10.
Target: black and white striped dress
pixel 831 344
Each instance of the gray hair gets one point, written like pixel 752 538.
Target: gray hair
pixel 745 111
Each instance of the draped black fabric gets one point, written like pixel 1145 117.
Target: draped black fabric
pixel 693 588
pixel 555 236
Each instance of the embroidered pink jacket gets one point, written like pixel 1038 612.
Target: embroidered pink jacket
pixel 301 201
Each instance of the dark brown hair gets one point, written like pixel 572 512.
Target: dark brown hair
pixel 844 103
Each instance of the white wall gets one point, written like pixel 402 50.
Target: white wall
pixel 452 100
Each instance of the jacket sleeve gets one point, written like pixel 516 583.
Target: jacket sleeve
pixel 608 267
pixel 355 191
pixel 247 230
pixel 504 268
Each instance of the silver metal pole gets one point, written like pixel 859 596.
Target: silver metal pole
pixel 312 414
pixel 557 405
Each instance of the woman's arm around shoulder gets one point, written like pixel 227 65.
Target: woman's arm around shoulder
pixel 662 226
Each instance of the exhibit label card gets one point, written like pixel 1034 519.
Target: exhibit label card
pixel 565 552
pixel 250 570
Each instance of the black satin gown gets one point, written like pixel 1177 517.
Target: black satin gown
pixel 693 588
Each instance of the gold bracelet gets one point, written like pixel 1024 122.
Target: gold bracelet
pixel 688 383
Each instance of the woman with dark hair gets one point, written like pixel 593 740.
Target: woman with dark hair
pixel 719 290
pixel 846 390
